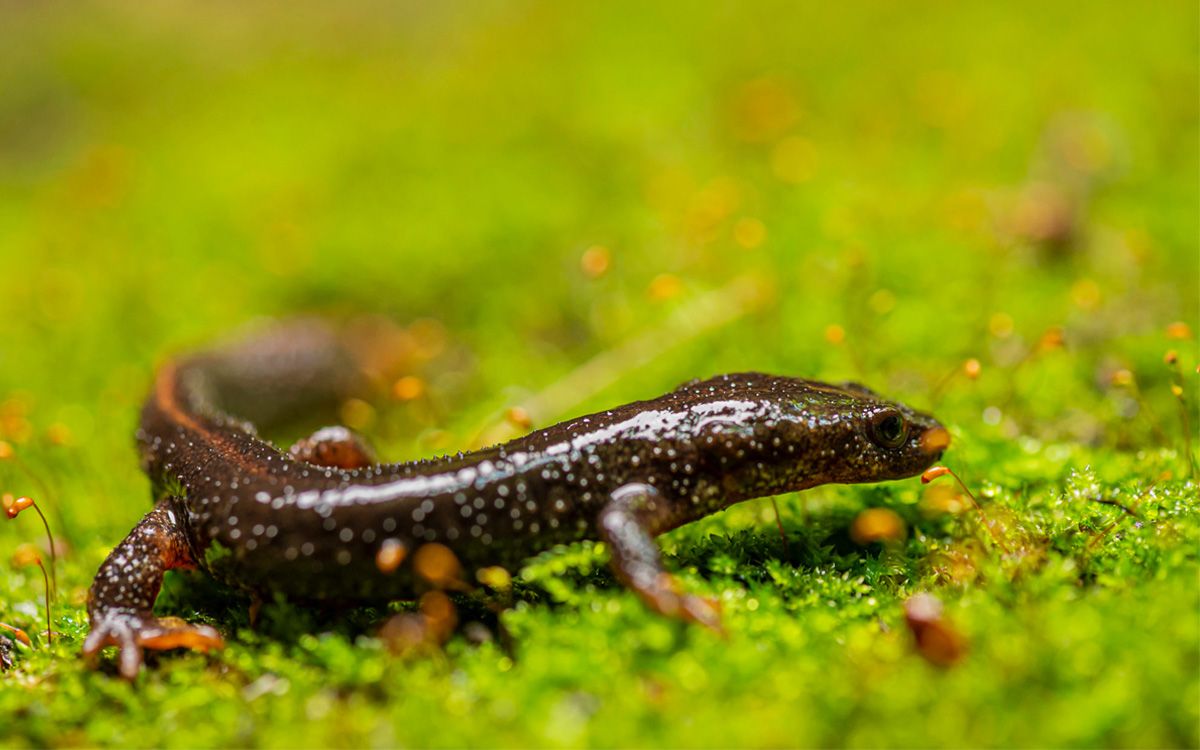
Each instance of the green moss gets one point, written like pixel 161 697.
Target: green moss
pixel 168 176
pixel 216 555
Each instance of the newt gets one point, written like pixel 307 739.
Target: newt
pixel 324 521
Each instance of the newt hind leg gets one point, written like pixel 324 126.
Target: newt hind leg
pixel 334 447
pixel 121 600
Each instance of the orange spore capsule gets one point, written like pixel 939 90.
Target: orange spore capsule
pixel 14 506
pixel 877 525
pixel 1051 339
pixel 937 640
pixel 665 286
pixel 408 388
pixel 1179 330
pixel 519 417
pixel 835 334
pixel 933 473
pixel 440 615
pixel 972 368
pixel 595 261
pixel 437 564
pixel 18 505
pixel 391 553
pixel 26 554
pixel 1171 357
pixel 404 633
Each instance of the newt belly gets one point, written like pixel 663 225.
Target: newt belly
pixel 325 522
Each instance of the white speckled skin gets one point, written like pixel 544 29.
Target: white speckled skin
pixel 259 519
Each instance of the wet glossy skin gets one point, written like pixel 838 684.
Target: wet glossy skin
pixel 266 521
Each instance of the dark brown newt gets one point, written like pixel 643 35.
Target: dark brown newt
pixel 325 522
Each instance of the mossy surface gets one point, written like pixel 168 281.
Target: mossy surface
pixel 872 193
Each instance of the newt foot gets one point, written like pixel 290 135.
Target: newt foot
pixel 703 611
pixel 666 599
pixel 132 632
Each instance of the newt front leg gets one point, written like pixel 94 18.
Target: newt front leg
pixel 635 513
pixel 121 600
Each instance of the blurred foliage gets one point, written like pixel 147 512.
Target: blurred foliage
pixel 537 185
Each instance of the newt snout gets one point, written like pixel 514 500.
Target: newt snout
pixel 935 440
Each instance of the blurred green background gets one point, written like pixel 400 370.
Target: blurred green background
pixel 880 191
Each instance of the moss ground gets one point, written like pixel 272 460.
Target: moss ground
pixel 876 193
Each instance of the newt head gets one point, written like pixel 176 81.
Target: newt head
pixel 777 434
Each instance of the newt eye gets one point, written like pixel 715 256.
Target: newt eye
pixel 889 429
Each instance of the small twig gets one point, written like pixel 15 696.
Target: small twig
pixel 779 523
pixel 27 554
pixel 1100 535
pixel 49 619
pixel 1172 360
pixel 53 551
pixel 1115 504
